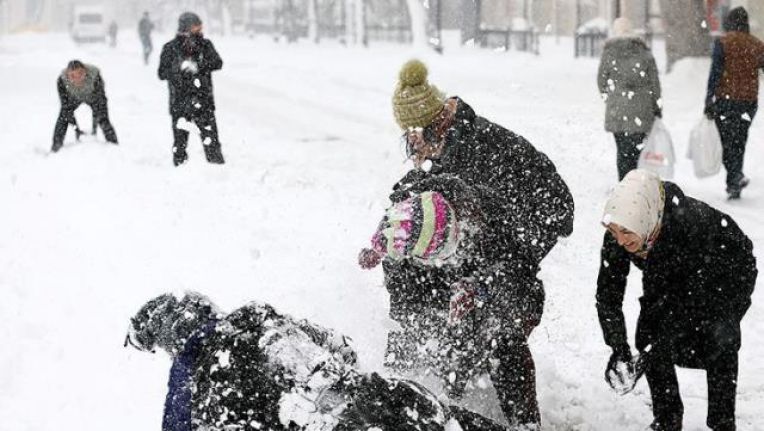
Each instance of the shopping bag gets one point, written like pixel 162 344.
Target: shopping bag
pixel 657 155
pixel 705 148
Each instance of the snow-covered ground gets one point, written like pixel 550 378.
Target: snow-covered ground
pixel 90 233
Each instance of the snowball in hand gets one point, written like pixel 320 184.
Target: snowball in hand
pixel 189 66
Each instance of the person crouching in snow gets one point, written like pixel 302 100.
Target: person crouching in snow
pixel 474 295
pixel 258 369
pixel 81 83
pixel 698 274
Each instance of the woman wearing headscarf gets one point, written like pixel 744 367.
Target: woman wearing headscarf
pixel 628 82
pixel 698 274
pixel 733 93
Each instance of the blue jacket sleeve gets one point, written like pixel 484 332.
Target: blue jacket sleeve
pixel 717 67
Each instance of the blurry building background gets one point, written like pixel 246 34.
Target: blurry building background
pixel 550 17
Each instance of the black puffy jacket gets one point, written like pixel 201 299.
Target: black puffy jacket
pixel 257 369
pixel 189 92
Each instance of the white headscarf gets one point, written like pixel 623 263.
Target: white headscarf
pixel 636 203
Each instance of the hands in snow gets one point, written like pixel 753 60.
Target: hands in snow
pixel 369 258
pixel 708 111
pixel 189 66
pixel 465 296
pixel 624 371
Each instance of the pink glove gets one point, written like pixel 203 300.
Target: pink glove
pixel 369 258
pixel 463 296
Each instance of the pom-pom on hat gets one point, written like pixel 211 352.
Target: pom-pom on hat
pixel 423 227
pixel 416 103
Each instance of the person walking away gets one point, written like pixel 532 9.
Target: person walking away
pixel 145 27
pixel 733 93
pixel 698 274
pixel 113 29
pixel 187 63
pixel 630 86
pixel 81 83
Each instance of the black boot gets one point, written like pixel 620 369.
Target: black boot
pixel 179 158
pixel 673 423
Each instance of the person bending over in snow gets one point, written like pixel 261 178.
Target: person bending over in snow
pixel 187 63
pixel 257 369
pixel 81 83
pixel 481 301
pixel 698 274
pixel 531 207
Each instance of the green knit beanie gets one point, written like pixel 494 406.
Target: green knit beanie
pixel 416 103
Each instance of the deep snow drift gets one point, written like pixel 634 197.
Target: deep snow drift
pixel 90 233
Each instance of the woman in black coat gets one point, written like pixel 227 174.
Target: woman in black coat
pixel 698 274
pixel 527 205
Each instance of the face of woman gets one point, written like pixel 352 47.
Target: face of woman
pixel 627 239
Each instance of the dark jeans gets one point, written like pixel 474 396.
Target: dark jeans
pixel 733 128
pixel 713 347
pixel 628 151
pixel 515 381
pixel 147 48
pixel 100 117
pixel 208 130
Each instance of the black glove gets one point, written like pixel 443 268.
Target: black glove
pixel 620 354
pixel 709 112
pixel 615 376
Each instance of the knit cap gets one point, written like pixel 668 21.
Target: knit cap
pixel 188 20
pixel 416 103
pixel 636 203
pixel 737 20
pixel 423 227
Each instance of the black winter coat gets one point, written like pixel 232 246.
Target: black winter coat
pixel 526 207
pixel 190 93
pixel 700 270
pixel 257 369
pixel 261 356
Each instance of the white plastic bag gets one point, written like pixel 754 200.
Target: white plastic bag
pixel 658 152
pixel 705 148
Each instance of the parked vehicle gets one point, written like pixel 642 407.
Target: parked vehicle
pixel 89 24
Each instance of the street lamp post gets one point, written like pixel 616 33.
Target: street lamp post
pixel 438 26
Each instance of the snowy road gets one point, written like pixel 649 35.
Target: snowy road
pixel 88 234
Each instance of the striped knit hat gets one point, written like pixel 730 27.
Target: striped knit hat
pixel 416 103
pixel 423 227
